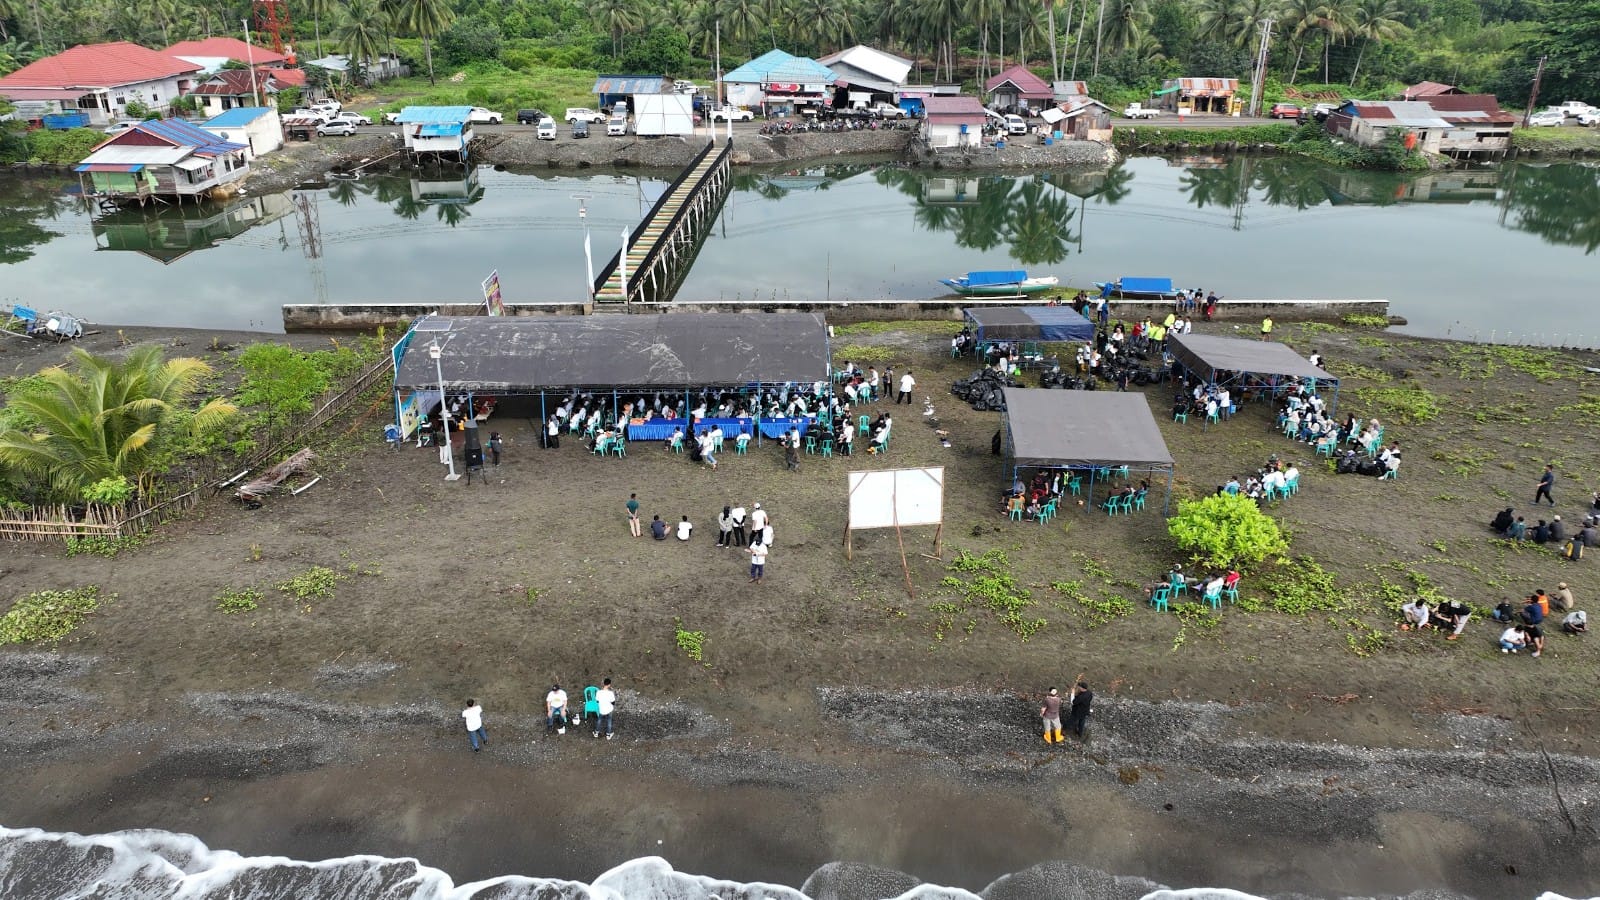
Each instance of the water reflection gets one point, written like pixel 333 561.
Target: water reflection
pixel 167 235
pixel 1558 203
pixel 1032 216
pixel 24 204
pixel 409 198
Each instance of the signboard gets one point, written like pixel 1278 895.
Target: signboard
pixel 897 497
pixel 491 294
pixel 783 87
pixel 409 416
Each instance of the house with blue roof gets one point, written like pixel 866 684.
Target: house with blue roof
pixel 437 131
pixel 163 160
pixel 781 84
pixel 259 128
pixel 610 90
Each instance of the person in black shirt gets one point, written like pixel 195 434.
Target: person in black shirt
pixel 1502 520
pixel 658 528
pixel 1078 714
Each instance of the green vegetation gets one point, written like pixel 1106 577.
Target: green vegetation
pixel 104 545
pixel 1360 320
pixel 48 615
pixel 57 148
pixel 1226 531
pixel 1405 405
pixel 991 586
pixel 315 583
pixel 942 327
pixel 493 85
pixel 1310 140
pixel 239 600
pixel 692 643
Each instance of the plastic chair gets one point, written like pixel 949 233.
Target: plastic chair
pixel 864 425
pixel 591 702
pixel 1292 486
pixel 619 445
pixel 827 448
pixel 1138 500
pixel 716 445
pixel 1016 514
pixel 1121 472
pixel 1213 418
pixel 1160 596
pixel 740 443
pixel 1213 596
pixel 1181 417
pixel 1177 588
pixel 1111 505
pixel 599 448
pixel 811 445
pixel 677 444
pixel 1390 475
pixel 1075 485
pixel 1232 593
pixel 1047 512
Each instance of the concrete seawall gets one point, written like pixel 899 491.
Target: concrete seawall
pixel 368 316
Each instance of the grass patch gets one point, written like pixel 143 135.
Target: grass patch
pixel 105 545
pixel 1320 328
pixel 489 84
pixel 1463 463
pixel 1408 406
pixel 942 327
pixel 239 600
pixel 989 585
pixel 692 643
pixel 1362 320
pixel 1301 586
pixel 48 615
pixel 1364 373
pixel 1199 618
pixel 1096 612
pixel 315 583
pixel 868 353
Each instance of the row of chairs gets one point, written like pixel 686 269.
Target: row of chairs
pixel 603 446
pixel 740 444
pixel 1172 591
pixel 1124 505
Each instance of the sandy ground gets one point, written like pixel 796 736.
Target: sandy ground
pixel 829 720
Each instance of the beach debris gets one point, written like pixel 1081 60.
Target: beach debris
pixel 253 490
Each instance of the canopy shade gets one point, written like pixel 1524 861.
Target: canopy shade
pixel 530 353
pixel 1083 428
pixel 1029 323
pixel 1206 355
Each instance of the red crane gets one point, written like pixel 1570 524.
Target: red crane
pixel 272 18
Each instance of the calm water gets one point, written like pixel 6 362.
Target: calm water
pixel 1498 252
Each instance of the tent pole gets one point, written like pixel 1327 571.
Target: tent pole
pixel 1166 504
pixel 1089 506
pixel 544 414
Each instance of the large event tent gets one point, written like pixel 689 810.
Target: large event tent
pixel 1085 431
pixel 1223 360
pixel 1028 323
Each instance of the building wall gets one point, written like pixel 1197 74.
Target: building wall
pixel 155 94
pixel 1483 139
pixel 941 135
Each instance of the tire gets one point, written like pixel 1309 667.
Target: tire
pixel 572 121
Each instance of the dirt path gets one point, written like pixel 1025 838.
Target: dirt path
pixel 1255 723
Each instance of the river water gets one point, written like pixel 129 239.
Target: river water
pixel 1492 253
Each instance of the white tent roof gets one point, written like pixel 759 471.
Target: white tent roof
pixel 886 66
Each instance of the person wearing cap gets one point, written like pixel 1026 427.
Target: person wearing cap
pixel 1051 713
pixel 1558 531
pixel 758 521
pixel 1562 600
pixel 1576 622
pixel 555 710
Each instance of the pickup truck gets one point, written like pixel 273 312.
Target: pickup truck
pixel 886 111
pixel 576 114
pixel 1135 111
pixel 1573 108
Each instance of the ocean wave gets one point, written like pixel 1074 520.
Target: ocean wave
pixel 148 864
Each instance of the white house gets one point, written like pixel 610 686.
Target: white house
pixel 381 69
pixel 98 81
pixel 442 130
pixel 951 122
pixel 257 127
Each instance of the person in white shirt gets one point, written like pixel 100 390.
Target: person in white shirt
pixel 1290 474
pixel 758 521
pixel 758 561
pixel 1273 481
pixel 684 527
pixel 555 710
pixel 738 516
pixel 872 380
pixel 1416 613
pixel 907 384
pixel 473 716
pixel 606 699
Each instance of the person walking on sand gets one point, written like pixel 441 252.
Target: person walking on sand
pixel 555 710
pixel 1051 713
pixel 606 703
pixel 758 562
pixel 1546 482
pixel 633 514
pixel 1078 714
pixel 1266 328
pixel 473 715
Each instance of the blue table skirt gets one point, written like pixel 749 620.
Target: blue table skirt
pixel 661 429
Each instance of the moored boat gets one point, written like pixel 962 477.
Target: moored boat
pixel 1001 283
pixel 1138 288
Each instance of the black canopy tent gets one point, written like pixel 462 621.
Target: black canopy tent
pixel 1207 355
pixel 532 355
pixel 1083 430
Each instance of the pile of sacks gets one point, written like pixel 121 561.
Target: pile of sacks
pixel 982 389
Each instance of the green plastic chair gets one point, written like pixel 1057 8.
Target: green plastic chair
pixel 1181 417
pixel 619 445
pixel 1111 505
pixel 677 445
pixel 1121 472
pixel 1016 514
pixel 1075 485
pixel 1390 475
pixel 1292 486
pixel 1160 596
pixel 1138 500
pixel 864 425
pixel 1231 593
pixel 1213 597
pixel 811 445
pixel 716 445
pixel 740 443
pixel 827 448
pixel 599 448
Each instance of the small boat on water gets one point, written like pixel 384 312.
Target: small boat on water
pixel 1138 288
pixel 1000 283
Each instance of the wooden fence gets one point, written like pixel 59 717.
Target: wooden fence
pixel 61 522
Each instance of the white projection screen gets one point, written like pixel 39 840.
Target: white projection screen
pixel 897 497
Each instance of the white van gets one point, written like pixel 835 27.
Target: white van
pixel 617 127
pixel 547 129
pixel 1015 124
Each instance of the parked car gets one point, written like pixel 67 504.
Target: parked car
pixel 390 118
pixel 1574 108
pixel 887 111
pixel 1016 124
pixel 620 108
pixel 727 113
pixel 340 128
pixel 1285 111
pixel 547 129
pixel 356 119
pixel 119 127
pixel 617 127
pixel 580 129
pixel 1135 111
pixel 1589 119
pixel 327 106
pixel 682 86
pixel 321 118
pixel 1323 110
pixel 1547 118
pixel 481 116
pixel 577 114
pixel 531 116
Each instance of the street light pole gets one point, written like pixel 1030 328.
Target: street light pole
pixel 250 55
pixel 588 253
pixel 435 351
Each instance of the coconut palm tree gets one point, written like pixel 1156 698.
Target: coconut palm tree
pixel 1217 20
pixel 317 9
pixel 617 17
pixel 1126 22
pixel 823 24
pixel 1374 22
pixel 426 19
pixel 107 419
pixel 1333 18
pixel 361 34
pixel 1297 20
pixel 7 11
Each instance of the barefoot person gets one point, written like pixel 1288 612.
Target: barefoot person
pixel 633 514
pixel 1051 713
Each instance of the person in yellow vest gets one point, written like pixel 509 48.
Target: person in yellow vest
pixel 1167 322
pixel 1266 328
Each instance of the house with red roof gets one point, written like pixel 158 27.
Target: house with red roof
pixel 213 53
pixel 1479 126
pixel 1427 90
pixel 163 159
pixel 98 80
pixel 952 122
pixel 1018 89
pixel 234 88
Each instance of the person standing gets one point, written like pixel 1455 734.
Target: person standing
pixel 606 700
pixel 633 514
pixel 738 517
pixel 907 384
pixel 1546 482
pixel 494 448
pixel 552 432
pixel 1051 713
pixel 1266 328
pixel 1078 713
pixel 758 561
pixel 473 715
pixel 758 521
pixel 725 528
pixel 555 710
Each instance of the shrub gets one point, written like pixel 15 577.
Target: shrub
pixel 112 490
pixel 48 615
pixel 315 582
pixel 238 600
pixel 1226 531
pixel 692 643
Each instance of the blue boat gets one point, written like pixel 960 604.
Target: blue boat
pixel 1138 288
pixel 999 283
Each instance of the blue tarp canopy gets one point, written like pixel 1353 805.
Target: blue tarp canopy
pixel 440 129
pixel 1002 276
pixel 1146 285
pixel 1028 323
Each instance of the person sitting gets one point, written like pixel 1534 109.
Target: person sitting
pixel 684 529
pixel 1562 600
pixel 1502 521
pixel 1576 622
pixel 1518 530
pixel 1540 533
pixel 658 528
pixel 1504 612
pixel 1534 635
pixel 1232 486
pixel 1512 639
pixel 1032 512
pixel 1214 585
pixel 1454 615
pixel 675 440
pixel 1273 482
pixel 1533 613
pixel 1558 531
pixel 1230 582
pixel 1416 615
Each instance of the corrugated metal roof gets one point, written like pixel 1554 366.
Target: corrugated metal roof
pixel 433 115
pixel 949 106
pixel 441 129
pixel 182 133
pixel 226 48
pixel 628 84
pixel 781 67
pixel 98 65
pixel 238 116
pixel 884 66
pixel 1429 89
pixel 111 154
pixel 108 167
pixel 11 93
pixel 1204 87
pixel 1410 113
pixel 1025 82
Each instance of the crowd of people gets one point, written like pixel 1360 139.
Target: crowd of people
pixel 598 712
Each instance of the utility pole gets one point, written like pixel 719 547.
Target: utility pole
pixel 1099 30
pixel 250 54
pixel 1055 61
pixel 1533 97
pixel 1257 84
pixel 716 75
